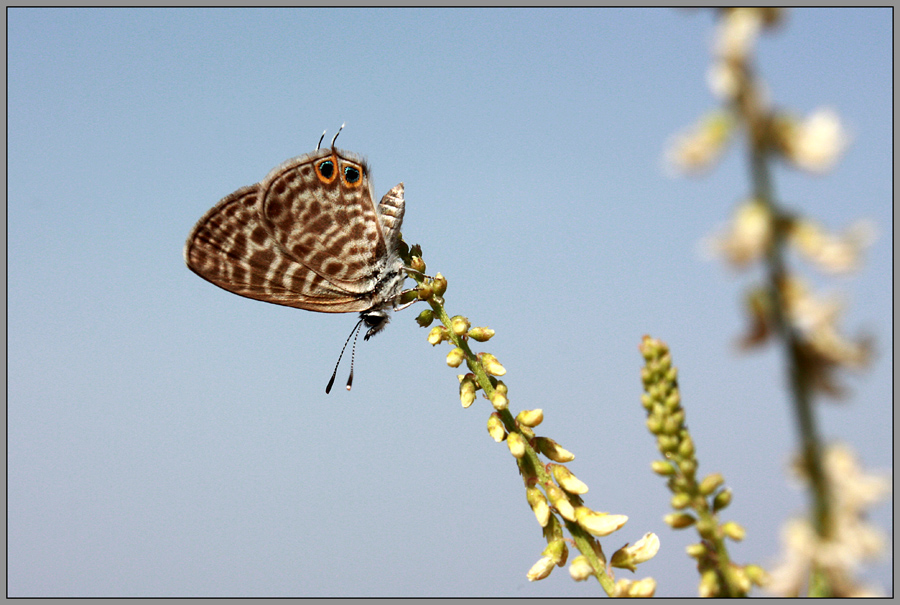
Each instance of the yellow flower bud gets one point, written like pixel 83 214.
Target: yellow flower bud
pixel 495 426
pixel 662 467
pixel 561 503
pixel 440 284
pixel 568 481
pixel 539 505
pixel 467 390
pixel 553 450
pixel 580 569
pixel 642 589
pixel 734 531
pixel 598 524
pixel 697 550
pixel 436 335
pixel 491 365
pixel 516 444
pixel 459 325
pixel 541 569
pixel 680 500
pixel 455 357
pixel 530 418
pixel 709 584
pixel 756 574
pixel 499 401
pixel 629 557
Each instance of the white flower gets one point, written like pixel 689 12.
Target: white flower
pixel 699 147
pixel 816 143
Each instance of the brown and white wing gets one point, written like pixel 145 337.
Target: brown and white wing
pixel 319 209
pixel 232 248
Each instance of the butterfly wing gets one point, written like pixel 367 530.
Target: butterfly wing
pixel 319 209
pixel 232 248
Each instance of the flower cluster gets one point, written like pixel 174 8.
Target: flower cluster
pixel 783 307
pixel 552 491
pixel 705 497
pixel 852 539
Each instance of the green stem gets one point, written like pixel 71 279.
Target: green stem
pixel 800 379
pixel 530 464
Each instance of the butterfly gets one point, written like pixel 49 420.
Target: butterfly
pixel 309 235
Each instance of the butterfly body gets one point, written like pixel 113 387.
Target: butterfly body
pixel 310 236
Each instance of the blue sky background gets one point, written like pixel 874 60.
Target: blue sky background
pixel 168 438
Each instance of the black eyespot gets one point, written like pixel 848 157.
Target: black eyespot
pixel 326 169
pixel 351 174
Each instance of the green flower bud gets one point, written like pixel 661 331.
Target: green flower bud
pixel 681 500
pixel 557 551
pixel 425 318
pixel 722 500
pixel 662 467
pixel 679 520
pixel 711 483
pixel 417 263
pixel 688 467
pixel 424 291
pixel 481 334
pixel 696 551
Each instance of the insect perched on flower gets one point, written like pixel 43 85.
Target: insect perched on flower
pixel 309 235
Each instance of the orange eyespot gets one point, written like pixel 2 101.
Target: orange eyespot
pixel 352 174
pixel 326 170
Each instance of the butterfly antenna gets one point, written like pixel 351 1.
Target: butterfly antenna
pixel 336 135
pixel 321 138
pixel 355 330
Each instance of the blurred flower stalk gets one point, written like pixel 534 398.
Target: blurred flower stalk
pixel 552 491
pixel 784 307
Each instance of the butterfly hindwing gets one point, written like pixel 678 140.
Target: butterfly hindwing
pixel 231 247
